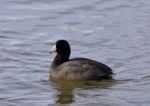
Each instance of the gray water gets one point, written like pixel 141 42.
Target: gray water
pixel 115 32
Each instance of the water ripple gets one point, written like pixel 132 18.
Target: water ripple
pixel 110 31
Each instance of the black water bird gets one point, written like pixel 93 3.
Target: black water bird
pixel 63 68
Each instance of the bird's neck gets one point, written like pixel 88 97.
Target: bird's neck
pixel 59 59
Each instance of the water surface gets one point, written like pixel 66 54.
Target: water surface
pixel 114 32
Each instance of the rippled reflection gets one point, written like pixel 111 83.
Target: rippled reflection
pixel 66 89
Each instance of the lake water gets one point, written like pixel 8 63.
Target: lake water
pixel 115 32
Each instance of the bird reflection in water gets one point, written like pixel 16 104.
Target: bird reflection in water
pixel 66 89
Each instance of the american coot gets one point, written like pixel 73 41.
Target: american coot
pixel 63 68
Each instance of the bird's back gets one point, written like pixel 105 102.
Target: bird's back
pixel 81 69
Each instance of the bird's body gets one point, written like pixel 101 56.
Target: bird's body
pixel 81 68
